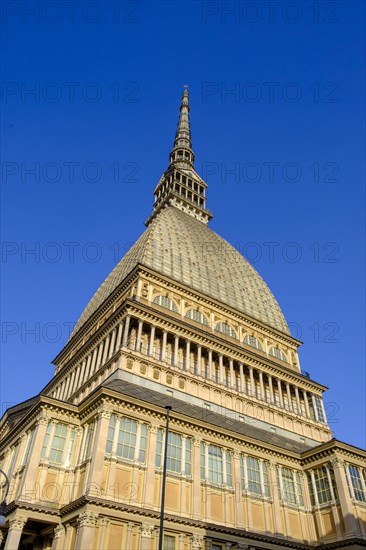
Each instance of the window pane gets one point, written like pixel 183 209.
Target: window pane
pixel 254 478
pixel 159 445
pixel 188 457
pixel 58 443
pixel 110 435
pixel 169 542
pixel 215 464
pixel 143 443
pixel 126 441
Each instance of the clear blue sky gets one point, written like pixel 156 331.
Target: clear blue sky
pixel 277 95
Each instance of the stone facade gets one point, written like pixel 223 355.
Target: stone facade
pixel 251 459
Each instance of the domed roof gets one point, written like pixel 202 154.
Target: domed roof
pixel 183 248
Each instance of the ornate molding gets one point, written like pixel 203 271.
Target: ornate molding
pixel 197 541
pixel 87 519
pixel 146 530
pixel 59 531
pixel 17 522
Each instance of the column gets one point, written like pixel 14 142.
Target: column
pixel 242 379
pixel 28 488
pixel 94 360
pixel 252 386
pixel 113 343
pixel 68 380
pixel 307 410
pixel 313 484
pixel 276 509
pixel 146 530
pixel 163 348
pixel 263 394
pixel 330 482
pixel 199 359
pixel 187 365
pixel 288 391
pixel 106 348
pixel 176 350
pixel 130 526
pixel 279 386
pixel 139 333
pixel 344 497
pixel 232 380
pixel 58 542
pixel 323 409
pixel 150 467
pixel 72 381
pixel 86 524
pixel 196 478
pixel 271 392
pixel 315 407
pixel 152 340
pixel 103 532
pixel 209 364
pixel 100 351
pixel 95 474
pixel 16 526
pixel 239 512
pixel 298 403
pixel 125 332
pixel 221 369
pixel 119 336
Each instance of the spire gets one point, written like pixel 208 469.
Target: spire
pixel 182 151
pixel 180 186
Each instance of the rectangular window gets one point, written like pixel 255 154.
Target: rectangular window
pixel 322 485
pixel 58 443
pixel 143 443
pixel 229 480
pixel 254 478
pixel 159 448
pixel 126 442
pixel 355 475
pixel 70 448
pixel 215 466
pixel 288 485
pixel 88 441
pixel 110 435
pixel 257 472
pixel 46 440
pixel 202 460
pixel 28 447
pixel 265 478
pixel 319 408
pixel 174 461
pixel 177 460
pixel 169 542
pixel 188 457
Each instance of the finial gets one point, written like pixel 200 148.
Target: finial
pixel 182 151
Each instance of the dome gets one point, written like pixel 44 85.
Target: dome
pixel 183 248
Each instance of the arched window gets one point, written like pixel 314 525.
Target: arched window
pixel 226 329
pixel 277 352
pixel 164 301
pixel 252 341
pixel 197 316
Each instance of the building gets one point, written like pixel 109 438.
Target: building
pixel 182 320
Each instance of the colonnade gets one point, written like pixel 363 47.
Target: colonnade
pixel 177 351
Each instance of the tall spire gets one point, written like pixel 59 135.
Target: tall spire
pixel 182 150
pixel 180 186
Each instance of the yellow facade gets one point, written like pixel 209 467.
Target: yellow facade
pixel 185 321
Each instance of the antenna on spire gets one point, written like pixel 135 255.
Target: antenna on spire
pixel 182 150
